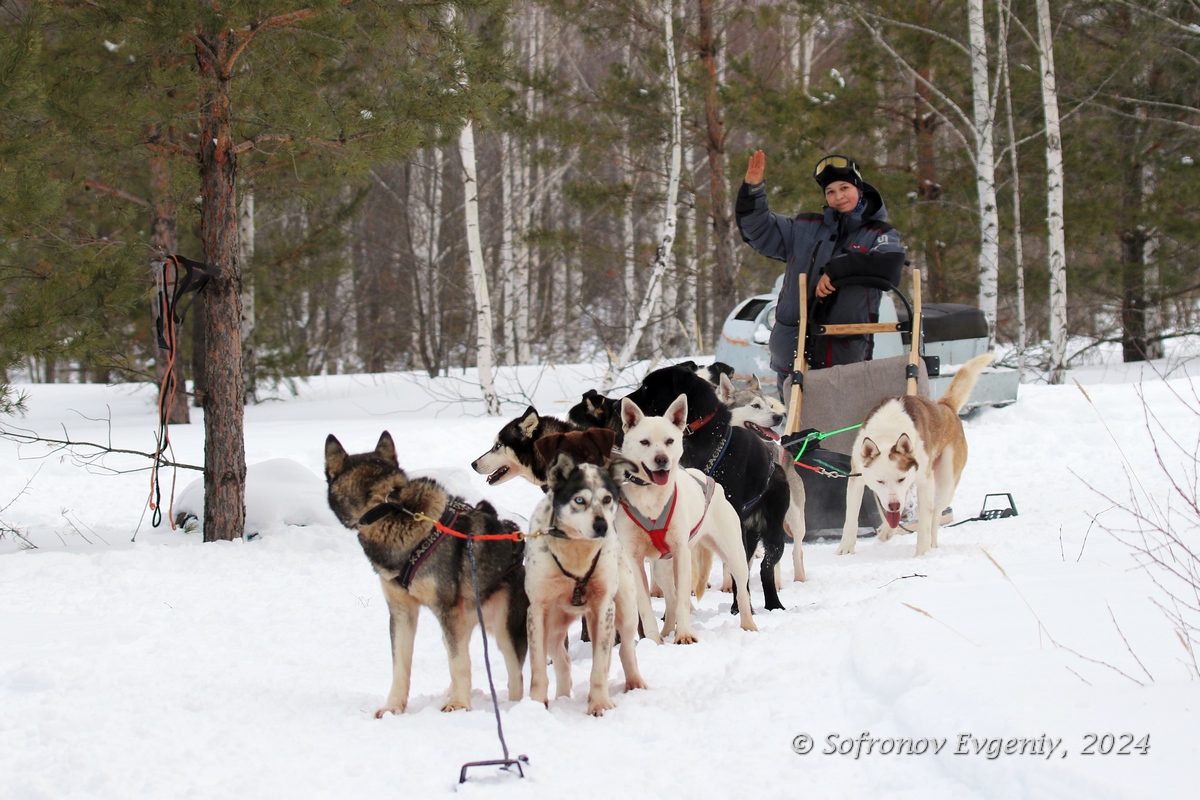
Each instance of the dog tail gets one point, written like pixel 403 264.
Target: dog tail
pixel 959 391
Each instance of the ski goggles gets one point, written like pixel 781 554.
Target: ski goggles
pixel 835 163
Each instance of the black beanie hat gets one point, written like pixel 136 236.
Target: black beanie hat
pixel 837 168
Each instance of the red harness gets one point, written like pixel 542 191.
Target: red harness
pixel 657 532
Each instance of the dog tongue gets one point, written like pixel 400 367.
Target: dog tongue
pixel 660 477
pixel 893 518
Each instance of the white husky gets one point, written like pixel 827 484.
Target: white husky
pixel 666 508
pixel 911 440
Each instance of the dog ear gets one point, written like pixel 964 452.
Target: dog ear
pixel 386 449
pixel 547 446
pixel 677 412
pixel 753 384
pixel 630 414
pixel 558 474
pixel 903 445
pixel 725 390
pixel 335 457
pixel 870 451
pixel 529 422
pixel 604 439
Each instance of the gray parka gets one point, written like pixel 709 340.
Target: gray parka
pixel 831 243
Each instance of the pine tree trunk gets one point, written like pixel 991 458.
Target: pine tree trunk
pixel 985 166
pixel 224 444
pixel 483 303
pixel 1056 235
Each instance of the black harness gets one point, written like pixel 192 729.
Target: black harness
pixel 714 463
pixel 408 573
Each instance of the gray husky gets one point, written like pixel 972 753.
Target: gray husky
pixel 420 564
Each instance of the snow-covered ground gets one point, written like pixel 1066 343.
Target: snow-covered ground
pixel 138 662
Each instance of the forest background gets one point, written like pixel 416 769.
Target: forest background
pixel 345 120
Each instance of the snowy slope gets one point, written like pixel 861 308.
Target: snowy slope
pixel 164 667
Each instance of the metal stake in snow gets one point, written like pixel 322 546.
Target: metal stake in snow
pixel 506 762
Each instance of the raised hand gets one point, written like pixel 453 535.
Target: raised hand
pixel 756 167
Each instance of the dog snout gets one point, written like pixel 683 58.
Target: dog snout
pixel 894 505
pixel 600 527
pixel 661 461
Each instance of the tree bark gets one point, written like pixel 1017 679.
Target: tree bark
pixel 984 117
pixel 224 443
pixel 483 305
pixel 1055 233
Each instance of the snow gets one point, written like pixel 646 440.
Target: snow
pixel 138 662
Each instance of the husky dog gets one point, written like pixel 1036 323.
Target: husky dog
pixel 595 410
pixel 751 408
pixel 575 566
pixel 743 464
pixel 907 441
pixel 513 453
pixel 666 510
pixel 419 565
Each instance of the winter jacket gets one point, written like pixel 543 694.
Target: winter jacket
pixel 831 243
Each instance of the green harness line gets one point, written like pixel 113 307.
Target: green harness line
pixel 817 436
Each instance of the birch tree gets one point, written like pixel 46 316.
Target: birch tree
pixel 483 305
pixel 670 211
pixel 974 132
pixel 984 108
pixel 1056 245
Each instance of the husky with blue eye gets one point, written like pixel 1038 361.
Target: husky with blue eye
pixel 576 567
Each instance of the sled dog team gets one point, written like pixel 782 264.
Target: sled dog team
pixel 682 469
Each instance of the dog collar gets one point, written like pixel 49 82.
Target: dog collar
pixel 577 598
pixel 696 425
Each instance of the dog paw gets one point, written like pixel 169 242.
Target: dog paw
pixel 636 683
pixel 845 550
pixel 597 708
pixel 727 586
pixel 456 705
pixel 749 625
pixel 686 638
pixel 389 710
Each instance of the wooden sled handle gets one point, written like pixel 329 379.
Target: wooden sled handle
pixel 799 366
pixel 914 345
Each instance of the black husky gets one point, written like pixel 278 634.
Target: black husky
pixel 736 458
pixel 421 565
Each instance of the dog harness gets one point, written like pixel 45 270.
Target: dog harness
pixel 408 573
pixel 657 532
pixel 577 598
